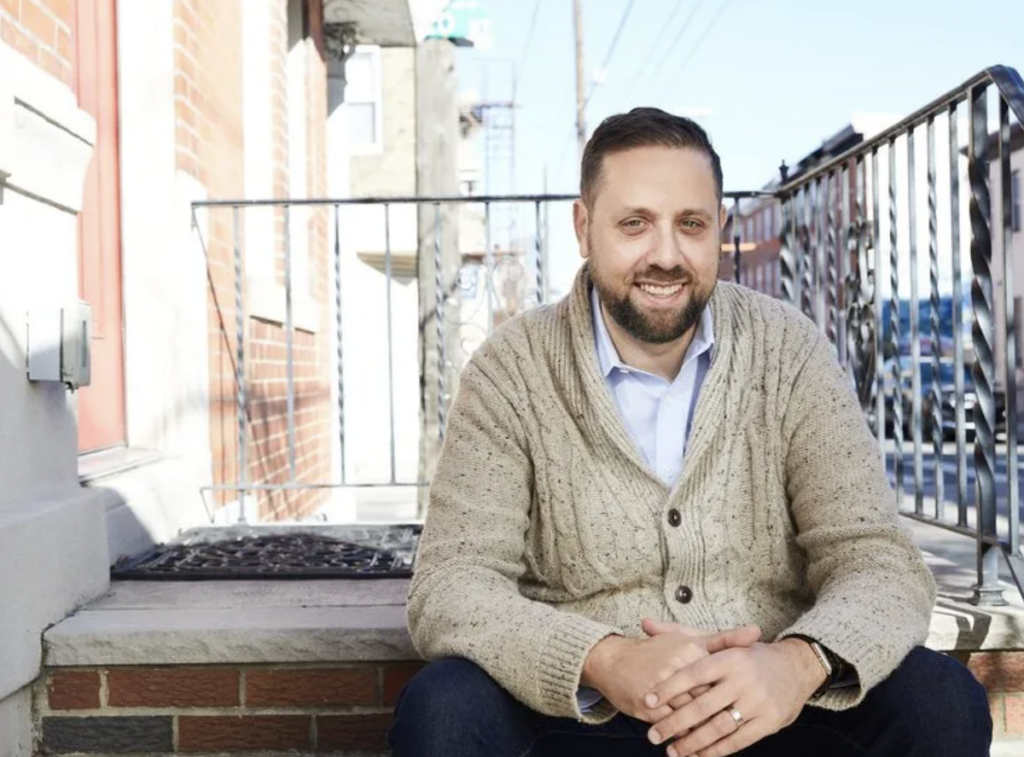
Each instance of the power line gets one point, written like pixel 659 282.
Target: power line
pixel 697 44
pixel 679 36
pixel 611 48
pixel 657 41
pixel 526 45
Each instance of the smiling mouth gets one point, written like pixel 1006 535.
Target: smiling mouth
pixel 660 290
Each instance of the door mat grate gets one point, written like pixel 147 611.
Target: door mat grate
pixel 278 552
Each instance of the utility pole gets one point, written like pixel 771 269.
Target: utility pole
pixel 581 95
pixel 438 256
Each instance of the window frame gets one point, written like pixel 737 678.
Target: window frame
pixel 376 147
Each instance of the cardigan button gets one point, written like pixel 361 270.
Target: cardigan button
pixel 684 595
pixel 674 518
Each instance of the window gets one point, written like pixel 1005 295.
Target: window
pixel 1015 200
pixel 363 101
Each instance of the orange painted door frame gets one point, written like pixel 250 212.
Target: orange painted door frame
pixel 101 414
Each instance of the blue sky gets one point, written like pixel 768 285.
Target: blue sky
pixel 768 79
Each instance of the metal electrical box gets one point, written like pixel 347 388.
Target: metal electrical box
pixel 59 345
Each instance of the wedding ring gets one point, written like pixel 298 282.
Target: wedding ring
pixel 736 716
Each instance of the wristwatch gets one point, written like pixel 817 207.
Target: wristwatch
pixel 836 669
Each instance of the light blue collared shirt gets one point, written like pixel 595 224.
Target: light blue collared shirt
pixel 657 413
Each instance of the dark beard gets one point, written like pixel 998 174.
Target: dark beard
pixel 622 310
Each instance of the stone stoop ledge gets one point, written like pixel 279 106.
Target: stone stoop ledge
pixel 226 667
pixel 307 667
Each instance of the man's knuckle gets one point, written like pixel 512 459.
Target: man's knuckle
pixel 703 709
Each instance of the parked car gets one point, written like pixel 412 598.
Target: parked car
pixel 946 376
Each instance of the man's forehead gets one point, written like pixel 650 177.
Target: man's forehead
pixel 653 175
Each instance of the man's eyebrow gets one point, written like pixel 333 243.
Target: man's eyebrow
pixel 686 213
pixel 696 212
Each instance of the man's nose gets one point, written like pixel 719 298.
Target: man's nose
pixel 667 253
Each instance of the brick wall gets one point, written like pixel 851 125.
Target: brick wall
pixel 238 709
pixel 210 144
pixel 223 709
pixel 41 30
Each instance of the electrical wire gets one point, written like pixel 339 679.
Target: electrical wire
pixel 679 36
pixel 526 47
pixel 657 41
pixel 611 48
pixel 697 44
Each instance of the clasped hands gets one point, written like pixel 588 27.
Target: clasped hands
pixel 705 695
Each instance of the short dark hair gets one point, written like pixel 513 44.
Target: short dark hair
pixel 643 127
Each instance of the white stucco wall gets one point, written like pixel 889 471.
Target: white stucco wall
pixel 53 551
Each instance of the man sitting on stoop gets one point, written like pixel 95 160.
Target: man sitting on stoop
pixel 660 523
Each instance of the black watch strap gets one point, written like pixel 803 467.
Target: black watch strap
pixel 840 668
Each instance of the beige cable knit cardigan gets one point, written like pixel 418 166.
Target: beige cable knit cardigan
pixel 547 531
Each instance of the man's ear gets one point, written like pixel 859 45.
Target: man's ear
pixel 580 220
pixel 723 218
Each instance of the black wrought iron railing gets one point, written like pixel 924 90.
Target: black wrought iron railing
pixel 495 266
pixel 862 235
pixel 879 246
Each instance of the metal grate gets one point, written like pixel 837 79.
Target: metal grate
pixel 278 553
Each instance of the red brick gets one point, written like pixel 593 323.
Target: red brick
pixel 53 65
pixel 352 733
pixel 17 39
pixel 310 687
pixel 172 687
pixel 996 706
pixel 39 22
pixel 395 678
pixel 998 671
pixel 73 689
pixel 61 10
pixel 10 6
pixel 248 732
pixel 1014 715
pixel 64 45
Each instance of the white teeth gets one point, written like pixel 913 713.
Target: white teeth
pixel 661 291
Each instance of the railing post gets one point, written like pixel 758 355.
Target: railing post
pixel 440 295
pixel 915 329
pixel 876 302
pixel 736 241
pixel 391 341
pixel 936 396
pixel 289 343
pixel 894 329
pixel 489 268
pixel 243 456
pixel 337 325
pixel 958 299
pixel 987 591
pixel 787 258
pixel 1010 399
pixel 832 280
pixel 806 260
pixel 538 252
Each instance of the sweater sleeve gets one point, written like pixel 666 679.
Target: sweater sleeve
pixel 873 592
pixel 465 600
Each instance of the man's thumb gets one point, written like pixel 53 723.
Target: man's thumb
pixel 744 636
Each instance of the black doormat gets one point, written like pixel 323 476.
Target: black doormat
pixel 278 552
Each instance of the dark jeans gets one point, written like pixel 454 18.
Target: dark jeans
pixel 931 706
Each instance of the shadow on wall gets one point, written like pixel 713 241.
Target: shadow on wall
pixel 47 465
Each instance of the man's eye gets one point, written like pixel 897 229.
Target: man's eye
pixel 633 223
pixel 689 223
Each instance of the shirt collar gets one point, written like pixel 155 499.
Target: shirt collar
pixel 608 357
